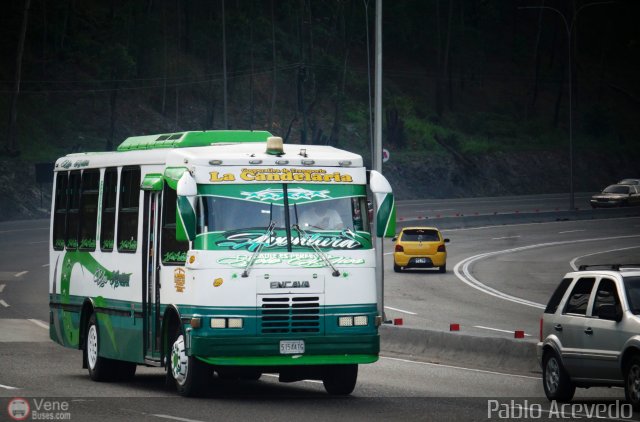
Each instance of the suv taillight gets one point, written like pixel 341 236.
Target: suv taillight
pixel 442 248
pixel 399 248
pixel 541 323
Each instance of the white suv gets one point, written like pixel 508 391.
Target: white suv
pixel 590 332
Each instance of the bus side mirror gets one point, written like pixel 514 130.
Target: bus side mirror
pixel 384 204
pixel 187 190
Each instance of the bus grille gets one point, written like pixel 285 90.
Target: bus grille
pixel 283 314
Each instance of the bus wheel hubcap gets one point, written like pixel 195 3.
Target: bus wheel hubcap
pixel 179 361
pixel 92 347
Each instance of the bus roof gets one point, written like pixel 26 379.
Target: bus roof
pixel 192 139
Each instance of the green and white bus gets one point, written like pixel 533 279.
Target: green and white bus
pixel 218 251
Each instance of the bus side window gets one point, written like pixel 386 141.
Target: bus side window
pixel 73 212
pixel 128 209
pixel 89 209
pixel 60 210
pixel 173 250
pixel 108 220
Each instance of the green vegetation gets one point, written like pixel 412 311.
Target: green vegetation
pixel 461 77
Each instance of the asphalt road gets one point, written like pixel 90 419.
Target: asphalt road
pixel 397 387
pixel 499 278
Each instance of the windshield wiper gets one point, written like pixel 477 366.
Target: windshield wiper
pixel 268 234
pixel 317 250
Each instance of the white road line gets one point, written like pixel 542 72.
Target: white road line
pixel 277 376
pixel 506 237
pixel 175 418
pixel 3 303
pixel 498 329
pixel 389 253
pixel 39 323
pixel 571 231
pixel 45 265
pixel 1 287
pixel 8 387
pixel 20 274
pixel 39 241
pixel 462 368
pixel 573 261
pixel 463 272
pixel 400 310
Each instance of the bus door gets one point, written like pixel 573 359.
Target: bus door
pixel 151 284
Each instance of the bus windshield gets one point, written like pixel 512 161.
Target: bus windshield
pixel 237 218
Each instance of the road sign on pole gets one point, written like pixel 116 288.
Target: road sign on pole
pixel 385 155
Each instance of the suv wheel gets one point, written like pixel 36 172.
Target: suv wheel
pixel 555 380
pixel 632 382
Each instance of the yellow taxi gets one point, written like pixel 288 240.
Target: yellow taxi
pixel 420 247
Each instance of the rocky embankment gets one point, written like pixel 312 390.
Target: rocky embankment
pixel 494 174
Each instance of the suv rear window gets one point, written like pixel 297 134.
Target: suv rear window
pixel 579 298
pixel 419 235
pixel 557 296
pixel 632 286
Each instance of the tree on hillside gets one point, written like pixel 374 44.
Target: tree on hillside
pixel 13 112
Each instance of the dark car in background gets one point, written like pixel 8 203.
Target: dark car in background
pixel 617 196
pixel 629 182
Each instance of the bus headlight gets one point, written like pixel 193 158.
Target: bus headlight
pixel 218 323
pixel 351 321
pixel 234 323
pixel 226 323
pixel 361 320
pixel 345 321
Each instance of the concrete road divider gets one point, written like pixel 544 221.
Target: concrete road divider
pixel 453 348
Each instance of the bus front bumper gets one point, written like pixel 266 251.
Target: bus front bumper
pixel 265 351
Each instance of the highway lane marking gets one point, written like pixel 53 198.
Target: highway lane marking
pixel 175 418
pixel 499 330
pixel 3 303
pixel 463 272
pixel 573 261
pixel 278 376
pixel 462 368
pixel 39 241
pixel 45 265
pixel 20 274
pixel 8 387
pixel 389 253
pixel 506 237
pixel 400 310
pixel 39 323
pixel 2 287
pixel 571 231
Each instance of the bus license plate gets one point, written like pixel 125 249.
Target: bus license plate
pixel 291 347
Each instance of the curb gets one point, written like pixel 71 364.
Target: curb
pixel 493 353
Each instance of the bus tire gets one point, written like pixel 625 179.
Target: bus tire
pixel 340 380
pixel 100 369
pixel 188 372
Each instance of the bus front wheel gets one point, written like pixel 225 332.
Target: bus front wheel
pixel 340 380
pixel 100 369
pixel 188 372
